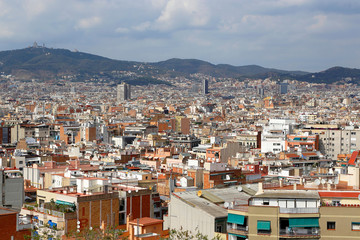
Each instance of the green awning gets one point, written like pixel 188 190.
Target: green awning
pixel 64 203
pixel 234 218
pixel 237 235
pixel 263 225
pixel 303 222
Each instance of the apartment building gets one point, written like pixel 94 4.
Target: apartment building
pixel 337 141
pixel 297 214
pixel 65 210
pixel 273 137
pixel 11 189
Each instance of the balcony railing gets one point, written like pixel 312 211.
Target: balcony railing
pixel 44 210
pixel 242 230
pixel 300 232
pixel 299 210
pixel 24 226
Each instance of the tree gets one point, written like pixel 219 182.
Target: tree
pixel 110 233
pixel 40 235
pixel 188 235
pixel 86 234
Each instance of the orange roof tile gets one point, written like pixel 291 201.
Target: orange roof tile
pixel 339 194
pixel 146 221
pixel 353 158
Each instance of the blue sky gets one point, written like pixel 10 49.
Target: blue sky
pixel 310 35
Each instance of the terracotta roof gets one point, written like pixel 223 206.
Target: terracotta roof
pixel 353 158
pixel 339 194
pixel 146 221
pixel 292 155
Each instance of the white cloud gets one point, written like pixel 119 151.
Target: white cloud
pixel 193 13
pixel 320 21
pixel 5 32
pixel 144 26
pixel 121 30
pixel 87 23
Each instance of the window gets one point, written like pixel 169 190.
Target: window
pixel 266 202
pixel 353 133
pixel 331 225
pixel 21 162
pixel 355 226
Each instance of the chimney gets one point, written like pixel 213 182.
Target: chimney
pixel 294 186
pixel 260 188
pixel 328 186
pixel 281 183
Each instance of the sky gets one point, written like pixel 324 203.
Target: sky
pixel 309 35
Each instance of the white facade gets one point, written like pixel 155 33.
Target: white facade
pixel 274 135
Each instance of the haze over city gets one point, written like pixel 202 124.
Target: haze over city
pixel 309 35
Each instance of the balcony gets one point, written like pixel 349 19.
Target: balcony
pixel 300 233
pixel 32 210
pixel 299 210
pixel 239 230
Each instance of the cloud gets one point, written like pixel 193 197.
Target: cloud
pixel 275 33
pixel 121 30
pixel 87 23
pixel 191 13
pixel 320 21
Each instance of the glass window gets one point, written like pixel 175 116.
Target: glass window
pixel 331 225
pixel 355 226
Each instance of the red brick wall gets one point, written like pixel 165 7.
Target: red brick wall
pixel 8 228
pixel 185 126
pixel 133 206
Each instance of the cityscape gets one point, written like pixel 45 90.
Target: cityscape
pixel 92 147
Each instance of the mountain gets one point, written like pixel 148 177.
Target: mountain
pixel 191 66
pixel 48 63
pixel 333 75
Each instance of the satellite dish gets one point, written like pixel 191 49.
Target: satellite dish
pixel 129 191
pixel 226 204
pixel 248 185
pixel 240 188
pixel 323 181
pixel 317 182
pixel 330 181
pixel 227 177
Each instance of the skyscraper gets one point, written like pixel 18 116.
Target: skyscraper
pixel 123 92
pixel 205 87
pixel 284 87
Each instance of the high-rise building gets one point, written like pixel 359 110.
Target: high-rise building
pixel 284 87
pixel 205 87
pixel 123 92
